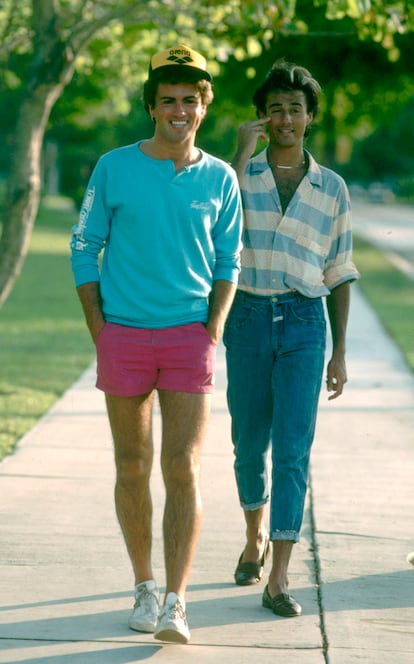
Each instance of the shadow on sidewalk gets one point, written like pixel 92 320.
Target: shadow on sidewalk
pixel 239 606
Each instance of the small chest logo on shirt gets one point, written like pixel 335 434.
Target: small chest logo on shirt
pixel 200 205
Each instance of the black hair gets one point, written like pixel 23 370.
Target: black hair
pixel 288 76
pixel 175 74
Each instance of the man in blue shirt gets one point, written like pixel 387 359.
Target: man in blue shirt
pixel 167 217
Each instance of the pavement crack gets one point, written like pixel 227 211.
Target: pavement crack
pixel 317 572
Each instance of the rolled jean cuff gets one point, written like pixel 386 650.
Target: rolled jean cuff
pixel 284 535
pixel 254 506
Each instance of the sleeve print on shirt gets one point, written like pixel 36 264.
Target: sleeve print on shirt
pixel 80 243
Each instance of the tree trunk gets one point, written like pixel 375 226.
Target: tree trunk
pixel 23 187
pixel 53 65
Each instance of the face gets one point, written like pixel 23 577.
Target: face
pixel 178 111
pixel 288 117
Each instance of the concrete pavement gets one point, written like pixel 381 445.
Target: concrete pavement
pixel 66 582
pixel 390 227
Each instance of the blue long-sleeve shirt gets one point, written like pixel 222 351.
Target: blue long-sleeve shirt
pixel 165 236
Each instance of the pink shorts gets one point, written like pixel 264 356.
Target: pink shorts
pixel 134 361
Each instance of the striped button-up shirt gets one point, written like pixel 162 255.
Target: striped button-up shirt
pixel 309 247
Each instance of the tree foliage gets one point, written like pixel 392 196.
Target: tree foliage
pixel 44 43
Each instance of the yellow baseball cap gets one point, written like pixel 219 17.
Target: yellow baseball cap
pixel 180 56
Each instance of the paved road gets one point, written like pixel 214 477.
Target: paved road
pixel 391 228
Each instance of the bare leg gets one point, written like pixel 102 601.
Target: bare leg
pixel 255 534
pixel 131 425
pixel 278 577
pixel 185 417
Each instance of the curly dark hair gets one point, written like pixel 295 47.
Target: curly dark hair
pixel 288 76
pixel 175 75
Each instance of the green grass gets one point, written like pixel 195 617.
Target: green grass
pixel 44 343
pixel 390 293
pixel 45 346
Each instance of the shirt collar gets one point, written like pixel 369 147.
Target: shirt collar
pixel 259 164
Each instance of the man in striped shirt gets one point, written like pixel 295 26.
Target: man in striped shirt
pixel 297 249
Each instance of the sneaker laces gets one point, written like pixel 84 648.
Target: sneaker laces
pixel 142 595
pixel 177 611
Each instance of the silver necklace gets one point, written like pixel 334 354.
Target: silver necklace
pixel 288 168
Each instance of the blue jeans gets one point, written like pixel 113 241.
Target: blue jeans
pixel 275 352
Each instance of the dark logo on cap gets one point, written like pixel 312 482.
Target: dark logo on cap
pixel 180 61
pixel 180 57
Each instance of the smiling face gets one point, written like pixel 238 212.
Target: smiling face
pixel 178 112
pixel 289 117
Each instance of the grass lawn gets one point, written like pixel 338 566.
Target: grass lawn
pixel 45 346
pixel 390 293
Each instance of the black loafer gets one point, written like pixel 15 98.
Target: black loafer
pixel 282 605
pixel 248 574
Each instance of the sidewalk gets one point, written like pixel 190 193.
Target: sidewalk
pixel 66 582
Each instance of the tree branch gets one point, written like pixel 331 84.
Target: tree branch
pixel 85 30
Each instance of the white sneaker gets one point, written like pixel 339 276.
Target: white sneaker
pixel 172 621
pixel 146 608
